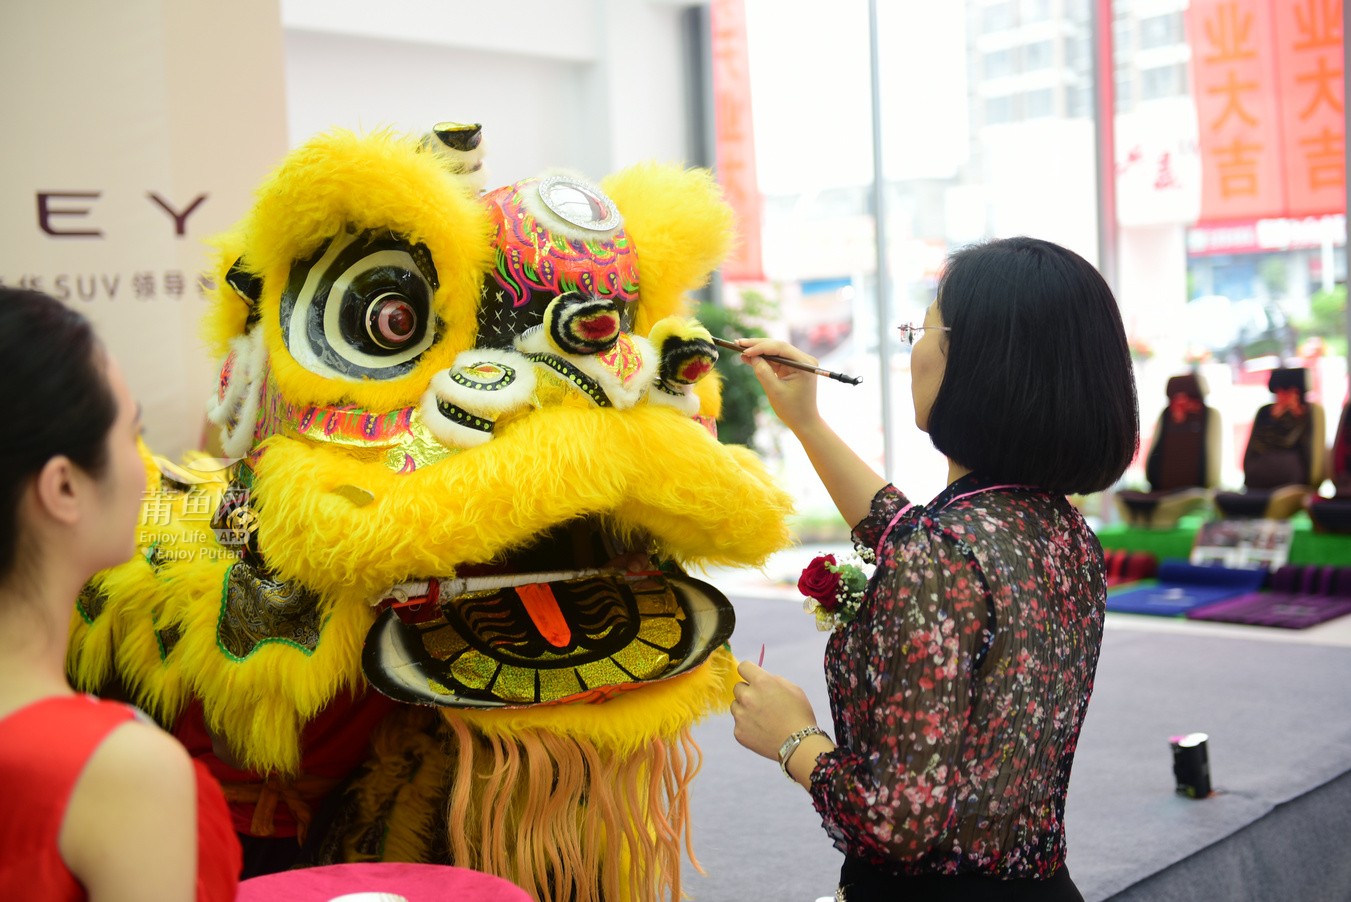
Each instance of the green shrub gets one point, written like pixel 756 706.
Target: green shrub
pixel 742 397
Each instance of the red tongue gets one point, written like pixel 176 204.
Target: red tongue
pixel 543 609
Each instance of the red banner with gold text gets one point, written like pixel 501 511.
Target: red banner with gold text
pixel 1267 82
pixel 1309 67
pixel 735 135
pixel 1234 83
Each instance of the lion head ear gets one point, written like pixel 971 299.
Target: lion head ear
pixel 460 148
pixel 681 227
pixel 234 288
pixel 248 286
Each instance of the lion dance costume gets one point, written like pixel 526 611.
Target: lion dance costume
pixel 440 593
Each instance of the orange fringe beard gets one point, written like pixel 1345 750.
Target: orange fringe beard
pixel 555 815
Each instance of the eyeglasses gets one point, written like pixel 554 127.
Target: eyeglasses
pixel 908 332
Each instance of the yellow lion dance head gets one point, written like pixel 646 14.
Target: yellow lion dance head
pixel 471 463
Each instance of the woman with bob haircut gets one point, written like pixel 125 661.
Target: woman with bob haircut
pixel 959 686
pixel 99 803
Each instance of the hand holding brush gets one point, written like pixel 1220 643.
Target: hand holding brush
pixel 829 374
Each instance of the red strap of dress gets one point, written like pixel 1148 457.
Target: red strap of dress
pixel 989 488
pixel 877 552
pixel 901 513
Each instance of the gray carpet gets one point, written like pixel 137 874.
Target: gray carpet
pixel 1279 720
pixel 757 835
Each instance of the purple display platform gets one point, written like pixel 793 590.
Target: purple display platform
pixel 1284 610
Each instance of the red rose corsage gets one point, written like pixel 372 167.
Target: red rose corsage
pixel 834 590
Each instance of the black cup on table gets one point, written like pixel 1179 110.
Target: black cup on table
pixel 1191 765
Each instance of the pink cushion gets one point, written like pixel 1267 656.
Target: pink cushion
pixel 415 882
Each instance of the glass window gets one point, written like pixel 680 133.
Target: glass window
pixel 1162 81
pixel 1076 51
pixel 983 168
pixel 1123 37
pixel 998 109
pixel 1036 11
pixel 998 63
pixel 1038 55
pixel 843 201
pixel 1078 103
pixel 1125 92
pixel 997 17
pixel 1161 31
pixel 1038 104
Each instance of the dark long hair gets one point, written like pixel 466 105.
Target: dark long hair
pixel 56 400
pixel 1038 387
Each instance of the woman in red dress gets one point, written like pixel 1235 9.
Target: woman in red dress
pixel 98 802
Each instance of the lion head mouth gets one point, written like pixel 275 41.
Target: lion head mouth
pixel 560 621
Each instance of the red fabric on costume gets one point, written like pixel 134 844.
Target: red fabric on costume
pixel 331 747
pixel 44 748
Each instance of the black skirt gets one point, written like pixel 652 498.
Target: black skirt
pixel 862 882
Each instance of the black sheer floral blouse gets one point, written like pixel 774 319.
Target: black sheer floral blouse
pixel 959 689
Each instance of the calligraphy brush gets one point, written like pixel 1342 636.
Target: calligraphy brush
pixel 838 377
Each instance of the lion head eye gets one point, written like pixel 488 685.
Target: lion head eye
pixel 391 321
pixel 360 307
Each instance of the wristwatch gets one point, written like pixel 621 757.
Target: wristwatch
pixel 790 745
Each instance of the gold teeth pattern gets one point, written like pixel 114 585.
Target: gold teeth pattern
pixel 621 634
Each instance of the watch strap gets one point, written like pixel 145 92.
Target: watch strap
pixel 790 745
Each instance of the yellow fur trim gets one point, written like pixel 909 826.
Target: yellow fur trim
pixel 339 181
pixel 647 468
pixel 731 511
pixel 709 390
pixel 261 702
pixel 681 227
pixel 724 509
pixel 123 640
pixel 258 703
pixel 228 311
pixel 678 327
